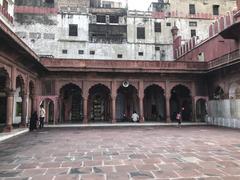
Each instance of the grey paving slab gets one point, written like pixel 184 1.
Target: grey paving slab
pixel 198 152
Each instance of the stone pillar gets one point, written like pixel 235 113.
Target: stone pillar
pixel 85 110
pixel 141 113
pixel 141 96
pixel 114 109
pixel 9 120
pixel 193 102
pixel 24 111
pixel 113 96
pixel 194 109
pixel 168 118
pixel 168 96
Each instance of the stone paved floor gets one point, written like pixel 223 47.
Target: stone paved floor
pixel 209 153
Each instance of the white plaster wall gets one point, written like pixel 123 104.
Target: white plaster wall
pixel 202 6
pixel 129 50
pixel 185 30
pixel 110 51
pixel 63 26
pixel 40 45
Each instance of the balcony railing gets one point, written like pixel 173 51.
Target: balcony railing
pixel 6 14
pixel 224 60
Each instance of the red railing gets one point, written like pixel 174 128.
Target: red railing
pixel 6 14
pixel 224 60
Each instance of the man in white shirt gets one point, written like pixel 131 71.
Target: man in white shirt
pixel 135 116
pixel 42 116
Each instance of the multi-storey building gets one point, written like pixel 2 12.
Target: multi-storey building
pixel 107 30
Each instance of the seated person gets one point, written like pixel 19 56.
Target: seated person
pixel 135 116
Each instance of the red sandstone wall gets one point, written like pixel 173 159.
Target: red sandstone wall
pixel 212 48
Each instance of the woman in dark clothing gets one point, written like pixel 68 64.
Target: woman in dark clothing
pixel 33 121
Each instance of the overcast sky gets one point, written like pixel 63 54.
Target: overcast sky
pixel 139 4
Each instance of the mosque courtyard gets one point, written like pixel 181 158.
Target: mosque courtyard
pixel 199 152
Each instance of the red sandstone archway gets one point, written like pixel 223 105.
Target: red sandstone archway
pixel 4 87
pixel 48 105
pixel 99 106
pixel 71 104
pixel 234 92
pixel 20 102
pixel 181 101
pixel 154 103
pixel 127 101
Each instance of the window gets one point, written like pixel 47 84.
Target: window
pixel 193 32
pixel 168 24
pixel 92 52
pixel 157 48
pixel 101 18
pixel 5 5
pixel 216 10
pixel 201 56
pixel 192 23
pixel 49 3
pixel 140 53
pixel 157 27
pixel 80 51
pixel 106 4
pixel 73 30
pixel 192 9
pixel 64 51
pixel 140 33
pixel 114 19
pixel 119 55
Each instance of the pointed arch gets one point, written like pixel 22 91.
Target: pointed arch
pixel 181 100
pixel 127 101
pixel 71 103
pixel 99 103
pixel 154 103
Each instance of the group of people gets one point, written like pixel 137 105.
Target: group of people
pixel 35 122
pixel 135 117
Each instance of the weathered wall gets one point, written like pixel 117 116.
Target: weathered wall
pixel 156 45
pixel 224 113
pixel 203 6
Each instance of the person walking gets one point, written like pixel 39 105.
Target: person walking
pixel 179 119
pixel 42 116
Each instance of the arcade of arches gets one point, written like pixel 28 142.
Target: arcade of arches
pixel 113 103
